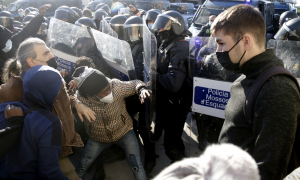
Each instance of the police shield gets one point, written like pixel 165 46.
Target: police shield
pixel 105 28
pixel 289 53
pixel 67 42
pixel 117 54
pixel 211 81
pixel 149 56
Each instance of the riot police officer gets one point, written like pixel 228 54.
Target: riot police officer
pixel 6 20
pixel 85 21
pixel 133 34
pixel 66 14
pixel 150 18
pixel 42 32
pixel 117 24
pixel 77 10
pixel 286 16
pixel 291 55
pixel 171 105
pixel 104 7
pixel 98 15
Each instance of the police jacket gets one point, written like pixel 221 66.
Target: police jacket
pixel 172 66
pixel 205 31
pixel 137 56
pixel 29 30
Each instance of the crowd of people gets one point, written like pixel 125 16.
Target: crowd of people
pixel 46 111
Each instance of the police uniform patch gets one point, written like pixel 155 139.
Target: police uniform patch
pixel 162 59
pixel 296 67
pixel 208 31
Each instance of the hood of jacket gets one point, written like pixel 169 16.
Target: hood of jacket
pixel 41 86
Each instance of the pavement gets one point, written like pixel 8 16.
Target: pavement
pixel 120 170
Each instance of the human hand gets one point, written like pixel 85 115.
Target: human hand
pixel 72 85
pixel 144 94
pixel 86 111
pixel 11 111
pixel 43 9
pixel 132 8
pixel 63 72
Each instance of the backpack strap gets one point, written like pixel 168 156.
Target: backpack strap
pixel 258 84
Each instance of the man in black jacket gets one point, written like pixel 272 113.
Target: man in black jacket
pixel 9 43
pixel 240 35
pixel 205 30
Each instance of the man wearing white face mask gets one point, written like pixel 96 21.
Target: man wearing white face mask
pixel 21 15
pixel 113 125
pixel 205 30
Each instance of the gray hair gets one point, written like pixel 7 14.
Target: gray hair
pixel 218 162
pixel 25 50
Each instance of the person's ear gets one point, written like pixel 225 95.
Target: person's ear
pixel 247 42
pixel 30 62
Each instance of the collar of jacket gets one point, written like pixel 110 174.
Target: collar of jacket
pixel 260 63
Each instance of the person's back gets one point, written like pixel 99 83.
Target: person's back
pixel 37 152
pixel 269 136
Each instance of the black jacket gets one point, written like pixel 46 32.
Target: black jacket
pixel 137 57
pixel 30 30
pixel 270 137
pixel 205 31
pixel 172 66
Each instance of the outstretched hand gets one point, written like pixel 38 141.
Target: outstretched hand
pixel 144 94
pixel 43 9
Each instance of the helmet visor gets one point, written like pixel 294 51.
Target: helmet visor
pixel 6 21
pixel 61 14
pixel 118 28
pixel 284 32
pixel 164 21
pixel 133 32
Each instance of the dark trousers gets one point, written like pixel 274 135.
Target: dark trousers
pixel 170 117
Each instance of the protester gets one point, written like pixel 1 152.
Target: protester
pixel 269 136
pixel 218 162
pixel 21 15
pixel 113 124
pixel 36 154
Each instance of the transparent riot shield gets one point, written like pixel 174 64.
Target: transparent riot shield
pixel 289 53
pixel 105 28
pixel 68 42
pixel 117 54
pixel 212 82
pixel 149 56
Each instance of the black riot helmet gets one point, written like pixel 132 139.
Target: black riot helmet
pixel 108 2
pixel 170 20
pixel 7 20
pixel 85 21
pixel 65 13
pixel 99 6
pixel 77 10
pixel 286 16
pixel 99 14
pixel 276 16
pixel 106 9
pixel 133 29
pixel 27 19
pixel 117 24
pixel 27 11
pixel 152 14
pixel 107 19
pixel 290 30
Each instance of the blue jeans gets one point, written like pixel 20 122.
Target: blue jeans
pixel 128 143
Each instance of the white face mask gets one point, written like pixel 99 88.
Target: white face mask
pixel 210 23
pixel 20 13
pixel 150 25
pixel 8 46
pixel 107 99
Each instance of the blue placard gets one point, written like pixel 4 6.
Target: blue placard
pixel 64 64
pixel 210 97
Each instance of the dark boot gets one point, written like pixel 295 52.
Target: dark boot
pixel 176 155
pixel 203 127
pixel 100 173
pixel 150 163
pixel 114 153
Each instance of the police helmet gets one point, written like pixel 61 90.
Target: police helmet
pixel 85 21
pixel 99 6
pixel 99 14
pixel 65 13
pixel 290 30
pixel 276 16
pixel 108 2
pixel 117 24
pixel 286 16
pixel 115 8
pixel 26 12
pixel 107 19
pixel 106 9
pixel 27 19
pixel 152 14
pixel 170 20
pixel 77 10
pixel 7 20
pixel 133 29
